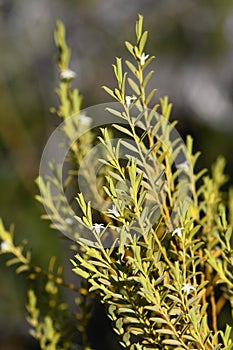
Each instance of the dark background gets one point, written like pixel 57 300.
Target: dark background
pixel 193 43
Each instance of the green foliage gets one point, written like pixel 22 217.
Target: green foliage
pixel 44 331
pixel 165 285
pixel 52 325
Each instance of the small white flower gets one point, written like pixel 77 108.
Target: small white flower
pixel 187 288
pixel 143 58
pixel 129 100
pixel 178 232
pixel 67 74
pixel 114 211
pixel 98 227
pixel 5 246
pixel 183 166
pixel 84 119
pixel 69 221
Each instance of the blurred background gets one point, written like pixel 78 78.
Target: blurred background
pixel 193 43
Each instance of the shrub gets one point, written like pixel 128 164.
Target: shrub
pixel 152 238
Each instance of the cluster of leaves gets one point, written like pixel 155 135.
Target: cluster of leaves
pixel 51 321
pixel 160 287
pixel 167 276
